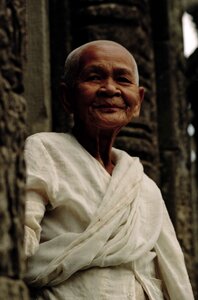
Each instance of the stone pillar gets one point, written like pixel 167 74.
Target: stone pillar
pixel 60 42
pixel 192 80
pixel 191 7
pixel 37 68
pixel 173 119
pixel 12 135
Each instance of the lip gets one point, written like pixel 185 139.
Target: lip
pixel 108 109
pixel 108 106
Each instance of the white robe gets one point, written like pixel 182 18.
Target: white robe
pixel 101 235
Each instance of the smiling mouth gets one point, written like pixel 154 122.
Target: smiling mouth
pixel 108 109
pixel 109 106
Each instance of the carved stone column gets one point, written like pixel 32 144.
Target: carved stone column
pixel 60 42
pixel 173 119
pixel 192 80
pixel 37 79
pixel 12 135
pixel 192 93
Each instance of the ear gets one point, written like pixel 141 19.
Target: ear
pixel 138 105
pixel 65 97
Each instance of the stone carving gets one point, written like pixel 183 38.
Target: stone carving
pixel 12 135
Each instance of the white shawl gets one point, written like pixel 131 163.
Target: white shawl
pixel 125 227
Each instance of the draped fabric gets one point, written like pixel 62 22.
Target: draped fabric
pixel 96 222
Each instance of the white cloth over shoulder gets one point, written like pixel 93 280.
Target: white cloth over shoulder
pixel 98 224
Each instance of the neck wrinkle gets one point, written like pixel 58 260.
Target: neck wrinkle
pixel 99 145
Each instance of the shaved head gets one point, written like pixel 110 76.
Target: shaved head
pixel 72 63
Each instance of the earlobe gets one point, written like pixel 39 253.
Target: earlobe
pixel 65 97
pixel 141 97
pixel 138 104
pixel 141 93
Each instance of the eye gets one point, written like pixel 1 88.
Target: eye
pixel 93 77
pixel 123 79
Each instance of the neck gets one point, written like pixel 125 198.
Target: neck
pixel 98 143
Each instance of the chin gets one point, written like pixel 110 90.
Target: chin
pixel 111 125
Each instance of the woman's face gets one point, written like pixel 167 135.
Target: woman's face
pixel 106 93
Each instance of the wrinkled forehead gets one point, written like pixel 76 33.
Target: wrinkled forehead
pixel 109 50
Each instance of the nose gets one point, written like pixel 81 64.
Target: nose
pixel 109 88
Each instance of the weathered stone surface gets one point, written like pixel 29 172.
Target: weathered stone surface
pixel 173 119
pixel 12 178
pixel 37 79
pixel 60 46
pixel 192 83
pixel 13 289
pixel 12 135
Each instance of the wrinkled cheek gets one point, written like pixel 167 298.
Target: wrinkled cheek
pixel 129 113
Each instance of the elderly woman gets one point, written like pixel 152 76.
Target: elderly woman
pixel 96 225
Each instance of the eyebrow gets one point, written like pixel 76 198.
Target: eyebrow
pixel 93 68
pixel 125 71
pixel 100 68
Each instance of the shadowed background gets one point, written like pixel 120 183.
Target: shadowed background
pixel 34 42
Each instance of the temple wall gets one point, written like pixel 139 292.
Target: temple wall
pixel 47 32
pixel 12 135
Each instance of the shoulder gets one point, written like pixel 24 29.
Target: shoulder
pixel 150 185
pixel 46 139
pixel 152 200
pixel 43 144
pixel 45 136
pixel 58 147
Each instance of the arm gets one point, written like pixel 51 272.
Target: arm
pixel 39 190
pixel 34 212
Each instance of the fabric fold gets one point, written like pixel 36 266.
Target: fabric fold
pixel 110 237
pixel 99 230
